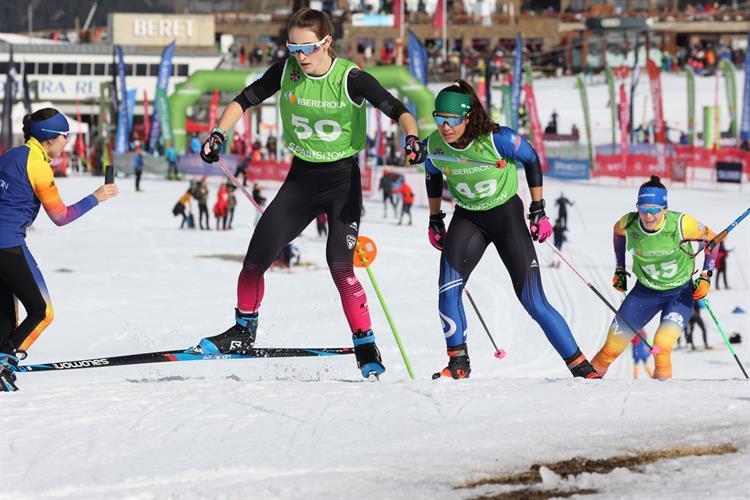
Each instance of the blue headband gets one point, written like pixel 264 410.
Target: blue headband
pixel 652 196
pixel 50 128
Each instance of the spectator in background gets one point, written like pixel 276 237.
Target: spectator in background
pixel 641 354
pixel 696 319
pixel 562 210
pixel 138 167
pixel 721 265
pixel 201 195
pixel 321 222
pixel 220 207
pixel 195 144
pixel 558 234
pixel 171 156
pixel 386 185
pixel 231 204
pixel 259 199
pixel 184 207
pixel 271 147
pixel 407 195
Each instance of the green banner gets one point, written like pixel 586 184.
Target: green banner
pixel 587 121
pixel 162 105
pixel 730 79
pixel 507 105
pixel 710 127
pixel 528 74
pixel 690 75
pixel 612 103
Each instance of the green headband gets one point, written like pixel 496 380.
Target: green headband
pixel 453 103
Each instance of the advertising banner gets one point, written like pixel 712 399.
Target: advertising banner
pixel 690 76
pixel 121 136
pixel 516 83
pixel 660 132
pixel 586 118
pixel 536 127
pixel 562 168
pixel 729 172
pixel 730 80
pixel 165 71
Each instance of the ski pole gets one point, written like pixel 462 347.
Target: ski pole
pixel 364 255
pixel 654 349
pixel 724 335
pixel 465 161
pixel 236 182
pixel 719 237
pixel 499 353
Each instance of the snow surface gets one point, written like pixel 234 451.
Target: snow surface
pixel 124 280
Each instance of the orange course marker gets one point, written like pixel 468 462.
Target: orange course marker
pixel 365 252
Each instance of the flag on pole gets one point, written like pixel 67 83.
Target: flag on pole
pixel 623 127
pixel 660 132
pixel 586 118
pixel 146 117
pixel 516 84
pixel 536 126
pixel 6 121
pixel 745 127
pixel 730 80
pixel 165 71
pixel 417 58
pixel 121 136
pixel 690 76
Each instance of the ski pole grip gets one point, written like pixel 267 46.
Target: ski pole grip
pixel 109 174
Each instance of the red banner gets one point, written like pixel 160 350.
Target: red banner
pixel 248 133
pixel 660 132
pixel 396 6
pixel 683 157
pixel 212 110
pixel 624 125
pixel 536 127
pixel 146 120
pixel 437 19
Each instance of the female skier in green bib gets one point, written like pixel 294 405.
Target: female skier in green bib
pixel 488 210
pixel 653 235
pixel 322 100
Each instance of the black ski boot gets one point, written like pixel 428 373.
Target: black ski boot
pixel 367 354
pixel 7 375
pixel 579 366
pixel 458 363
pixel 239 339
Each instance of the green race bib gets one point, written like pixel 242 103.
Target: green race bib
pixel 321 124
pixel 475 187
pixel 658 262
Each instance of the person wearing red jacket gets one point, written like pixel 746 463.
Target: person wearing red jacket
pixel 220 208
pixel 407 194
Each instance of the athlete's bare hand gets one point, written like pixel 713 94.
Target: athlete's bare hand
pixel 106 192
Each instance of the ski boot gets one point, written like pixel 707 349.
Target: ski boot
pixel 239 339
pixel 7 375
pixel 579 366
pixel 367 354
pixel 458 363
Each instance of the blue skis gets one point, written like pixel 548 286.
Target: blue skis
pixel 191 354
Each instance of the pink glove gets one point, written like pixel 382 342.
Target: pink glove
pixel 541 231
pixel 539 225
pixel 436 230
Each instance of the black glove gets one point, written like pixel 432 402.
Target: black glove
pixel 415 148
pixel 620 279
pixel 212 146
pixel 436 230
